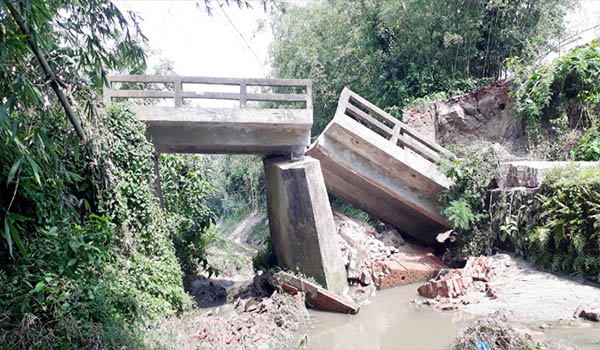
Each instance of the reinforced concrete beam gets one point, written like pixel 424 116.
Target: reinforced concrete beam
pixel 227 130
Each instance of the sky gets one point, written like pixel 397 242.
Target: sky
pixel 203 45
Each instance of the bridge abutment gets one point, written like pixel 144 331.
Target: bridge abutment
pixel 301 221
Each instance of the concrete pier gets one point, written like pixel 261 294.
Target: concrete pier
pixel 301 221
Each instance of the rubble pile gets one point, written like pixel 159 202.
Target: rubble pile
pixel 253 324
pixel 497 332
pixel 588 312
pixel 382 259
pixel 454 287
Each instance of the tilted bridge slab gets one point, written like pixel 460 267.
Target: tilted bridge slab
pixel 377 163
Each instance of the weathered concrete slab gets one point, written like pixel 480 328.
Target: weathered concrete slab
pixel 301 221
pixel 227 130
pixel 315 296
pixel 392 183
pixel 531 174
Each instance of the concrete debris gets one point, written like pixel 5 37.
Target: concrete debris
pixel 588 312
pixel 315 296
pixel 531 174
pixel 451 286
pixel 253 324
pixel 382 258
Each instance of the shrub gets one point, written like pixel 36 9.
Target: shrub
pixel 569 86
pixel 465 202
pixel 185 193
pixel 89 254
pixel 557 228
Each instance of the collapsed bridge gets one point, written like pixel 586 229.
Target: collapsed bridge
pixel 364 156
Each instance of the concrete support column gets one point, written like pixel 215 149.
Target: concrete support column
pixel 301 221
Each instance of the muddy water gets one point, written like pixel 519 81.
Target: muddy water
pixel 584 335
pixel 389 322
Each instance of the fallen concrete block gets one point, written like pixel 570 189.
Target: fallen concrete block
pixel 315 296
pixel 531 174
pixel 588 312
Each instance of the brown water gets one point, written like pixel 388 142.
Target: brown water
pixel 390 322
pixel 583 334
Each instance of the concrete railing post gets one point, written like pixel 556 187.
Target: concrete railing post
pixel 396 133
pixel 243 95
pixel 178 92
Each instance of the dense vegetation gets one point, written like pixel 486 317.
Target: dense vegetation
pixel 564 95
pixel 393 52
pixel 557 227
pixel 87 255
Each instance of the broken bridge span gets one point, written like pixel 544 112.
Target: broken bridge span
pixel 364 156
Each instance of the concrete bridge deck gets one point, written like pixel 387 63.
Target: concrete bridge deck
pixel 375 162
pixel 182 128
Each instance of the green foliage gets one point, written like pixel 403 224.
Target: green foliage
pixel 265 259
pixel 570 87
pixel 239 184
pixel 81 40
pixel 588 146
pixel 148 267
pixel 350 210
pixel 392 52
pixel 459 214
pixel 556 228
pixel 185 193
pixel 98 256
pixel 567 238
pixel 466 200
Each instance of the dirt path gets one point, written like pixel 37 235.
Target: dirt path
pixel 239 232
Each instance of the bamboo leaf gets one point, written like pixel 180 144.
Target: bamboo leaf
pixel 35 168
pixel 13 170
pixel 8 238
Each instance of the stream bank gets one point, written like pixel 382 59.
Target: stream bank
pixel 242 313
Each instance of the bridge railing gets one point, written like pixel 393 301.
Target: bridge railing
pixel 178 94
pixel 356 107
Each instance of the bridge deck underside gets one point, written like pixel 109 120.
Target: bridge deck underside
pixel 227 130
pixel 390 183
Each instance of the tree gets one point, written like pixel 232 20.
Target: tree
pixel 395 51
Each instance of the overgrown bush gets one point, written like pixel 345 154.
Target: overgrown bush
pixel 239 184
pixel 568 88
pixel 556 228
pixel 185 193
pixel 265 258
pixel 466 201
pixel 88 255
